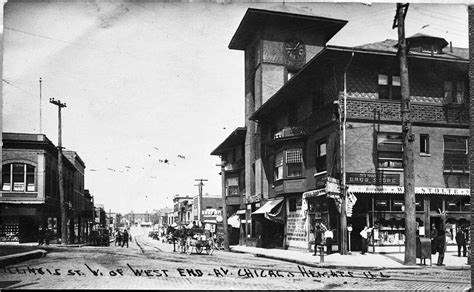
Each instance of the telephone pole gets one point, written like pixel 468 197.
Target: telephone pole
pixel 200 185
pixel 408 139
pixel 40 106
pixel 224 207
pixel 60 174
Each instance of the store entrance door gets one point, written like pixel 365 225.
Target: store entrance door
pixel 358 222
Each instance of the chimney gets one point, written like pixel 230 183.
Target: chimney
pixel 450 47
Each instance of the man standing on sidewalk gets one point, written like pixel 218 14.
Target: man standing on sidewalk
pixel 461 242
pixel 125 238
pixel 365 238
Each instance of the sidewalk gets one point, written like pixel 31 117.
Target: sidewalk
pixel 353 260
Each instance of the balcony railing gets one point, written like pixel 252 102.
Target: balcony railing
pixel 289 132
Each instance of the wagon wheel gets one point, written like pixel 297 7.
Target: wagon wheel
pixel 199 249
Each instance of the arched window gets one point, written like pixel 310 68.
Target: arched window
pixel 18 177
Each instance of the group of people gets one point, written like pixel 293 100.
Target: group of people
pixel 44 235
pixel 122 238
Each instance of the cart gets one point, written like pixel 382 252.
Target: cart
pixel 199 242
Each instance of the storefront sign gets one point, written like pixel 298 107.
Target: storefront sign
pixel 359 178
pixel 254 198
pixel 400 190
pixel 211 212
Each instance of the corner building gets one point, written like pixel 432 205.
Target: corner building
pixel 298 91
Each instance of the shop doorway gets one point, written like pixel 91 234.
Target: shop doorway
pixel 358 223
pixel 28 229
pixel 272 234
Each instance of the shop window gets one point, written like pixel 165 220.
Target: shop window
pixel 390 150
pixel 424 144
pixel 389 87
pixel 453 204
pixel 436 204
pixel 456 154
pixel 454 92
pixel 419 206
pixel 321 157
pixel 18 177
pixel 465 204
pixel 397 205
pixel 382 205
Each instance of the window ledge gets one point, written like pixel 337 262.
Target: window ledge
pixel 391 169
pixel 320 173
pixel 425 154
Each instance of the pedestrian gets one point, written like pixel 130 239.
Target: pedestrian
pixel 125 238
pixel 118 238
pixel 41 235
pixel 461 242
pixel 47 236
pixel 318 230
pixel 433 235
pixel 440 244
pixel 365 238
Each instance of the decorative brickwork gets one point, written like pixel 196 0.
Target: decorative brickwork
pixel 390 111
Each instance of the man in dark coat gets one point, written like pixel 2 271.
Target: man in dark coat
pixel 125 238
pixel 439 244
pixel 318 236
pixel 461 242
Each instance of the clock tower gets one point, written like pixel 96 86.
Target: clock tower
pixel 277 43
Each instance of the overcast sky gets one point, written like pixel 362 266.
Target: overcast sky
pixel 146 81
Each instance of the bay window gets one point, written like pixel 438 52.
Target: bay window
pixel 18 177
pixel 288 163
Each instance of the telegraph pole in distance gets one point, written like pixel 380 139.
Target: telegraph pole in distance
pixel 408 139
pixel 60 174
pixel 200 180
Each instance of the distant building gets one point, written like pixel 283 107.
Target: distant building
pixel 137 218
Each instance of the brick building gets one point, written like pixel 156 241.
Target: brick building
pixel 30 190
pixel 232 154
pixel 295 90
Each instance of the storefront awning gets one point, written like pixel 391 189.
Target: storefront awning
pixel 371 189
pixel 273 210
pixel 240 212
pixel 268 207
pixel 234 221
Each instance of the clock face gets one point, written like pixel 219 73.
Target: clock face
pixel 295 50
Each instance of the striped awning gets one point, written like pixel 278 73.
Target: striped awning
pixel 371 189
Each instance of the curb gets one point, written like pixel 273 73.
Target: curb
pixel 333 266
pixel 20 257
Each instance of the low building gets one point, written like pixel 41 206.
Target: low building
pixel 29 197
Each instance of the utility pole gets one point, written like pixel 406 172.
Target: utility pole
pixel 60 174
pixel 408 139
pixel 40 106
pixel 224 207
pixel 200 185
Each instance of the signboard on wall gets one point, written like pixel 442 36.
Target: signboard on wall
pixel 361 178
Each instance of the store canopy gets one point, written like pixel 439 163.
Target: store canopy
pixel 273 210
pixel 268 207
pixel 234 221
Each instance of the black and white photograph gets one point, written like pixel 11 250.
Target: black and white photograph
pixel 236 145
